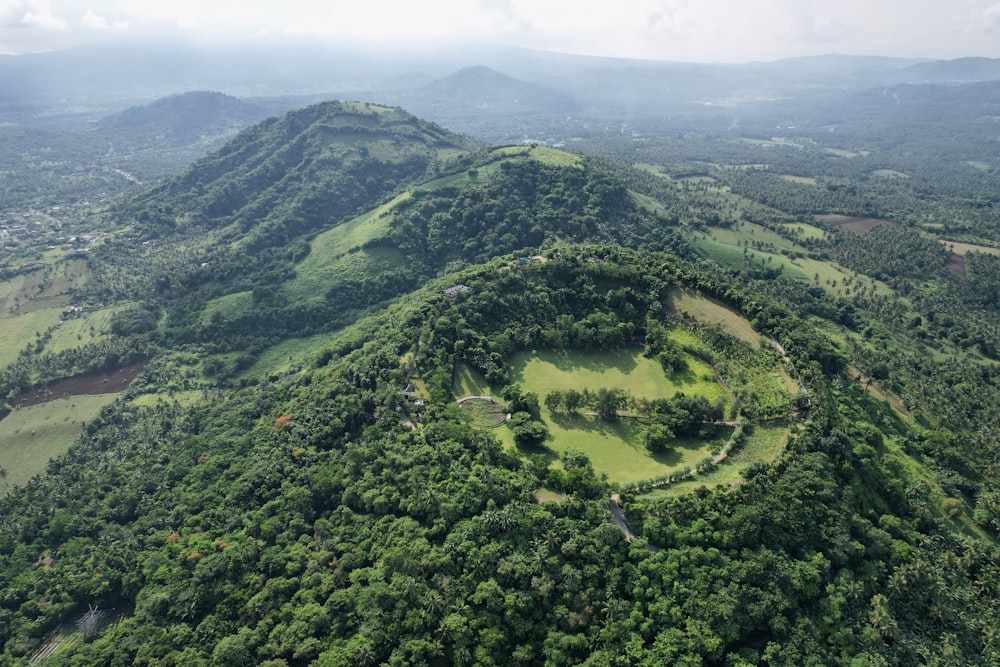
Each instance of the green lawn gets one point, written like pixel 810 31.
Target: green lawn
pixel 30 436
pixel 765 444
pixel 469 382
pixel 805 231
pixel 614 448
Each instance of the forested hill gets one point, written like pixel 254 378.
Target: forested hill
pixel 293 480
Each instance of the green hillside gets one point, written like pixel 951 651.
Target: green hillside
pixel 718 431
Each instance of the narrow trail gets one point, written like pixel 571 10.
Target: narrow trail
pixel 473 398
pixel 618 518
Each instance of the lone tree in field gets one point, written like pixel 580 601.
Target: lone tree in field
pixel 608 402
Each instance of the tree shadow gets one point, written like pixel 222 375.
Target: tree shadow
pixel 527 451
pixel 595 361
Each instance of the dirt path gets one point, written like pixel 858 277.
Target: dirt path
pixel 618 518
pixel 473 398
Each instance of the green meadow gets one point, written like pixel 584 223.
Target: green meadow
pixel 30 436
pixel 615 448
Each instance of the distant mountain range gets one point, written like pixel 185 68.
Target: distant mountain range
pixel 132 73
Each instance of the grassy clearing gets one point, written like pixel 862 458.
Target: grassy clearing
pixel 748 232
pixel 355 232
pixel 469 382
pixel 18 331
pixel 736 257
pixel 543 372
pixel 337 254
pixel 805 180
pixel 90 327
pixel 544 154
pixel 318 276
pixel 654 169
pixel 185 398
pixel 286 356
pixel 30 436
pixel 965 248
pixel 978 164
pixel 544 495
pixel 805 231
pixel 708 310
pixel 773 141
pixel 16 292
pixel 460 179
pixel 889 173
pixel 614 448
pixel 227 307
pixel 765 444
pixel 839 152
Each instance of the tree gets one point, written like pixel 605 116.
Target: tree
pixel 608 402
pixel 572 400
pixel 554 400
pixel 528 432
pixel 658 438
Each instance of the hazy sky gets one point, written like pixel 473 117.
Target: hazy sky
pixel 700 30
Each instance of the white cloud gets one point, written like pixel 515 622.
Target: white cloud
pixel 93 21
pixel 991 19
pixel 39 15
pixel 707 30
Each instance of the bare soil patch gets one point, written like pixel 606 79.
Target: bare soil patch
pixel 855 224
pixel 96 383
pixel 956 264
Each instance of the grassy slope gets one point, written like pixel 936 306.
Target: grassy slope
pixel 710 310
pixel 30 436
pixel 89 327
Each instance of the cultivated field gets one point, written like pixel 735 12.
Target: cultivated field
pixel 855 224
pixel 965 248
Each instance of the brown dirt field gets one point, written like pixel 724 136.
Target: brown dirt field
pixel 853 224
pixel 99 383
pixel 956 264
